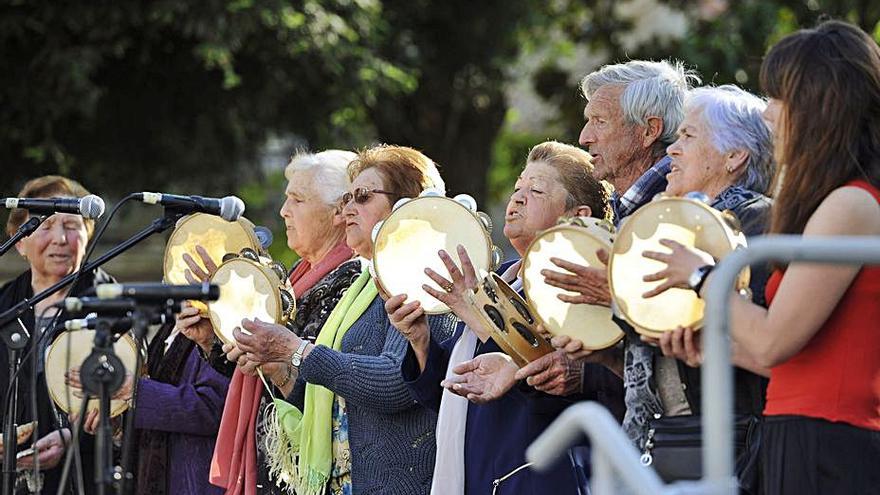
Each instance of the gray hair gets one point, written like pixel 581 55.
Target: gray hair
pixel 734 118
pixel 330 179
pixel 651 89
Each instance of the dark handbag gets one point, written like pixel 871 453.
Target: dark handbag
pixel 674 445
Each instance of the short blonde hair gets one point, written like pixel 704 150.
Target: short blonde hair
pixel 47 186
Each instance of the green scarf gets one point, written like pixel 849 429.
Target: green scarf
pixel 300 447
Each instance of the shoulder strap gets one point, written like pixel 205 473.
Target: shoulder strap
pixel 867 186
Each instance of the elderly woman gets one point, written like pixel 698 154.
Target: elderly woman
pixel 356 428
pixel 723 150
pixel 820 332
pixel 316 232
pixel 53 251
pixel 481 445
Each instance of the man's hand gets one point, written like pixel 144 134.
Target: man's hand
pixel 589 284
pixel 683 344
pixel 553 373
pixel 485 378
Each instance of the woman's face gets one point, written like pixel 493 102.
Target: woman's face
pixel 56 248
pixel 310 221
pixel 774 115
pixel 537 202
pixel 360 218
pixel 697 165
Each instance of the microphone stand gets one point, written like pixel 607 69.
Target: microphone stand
pixel 140 322
pixel 102 374
pixel 15 340
pixel 25 230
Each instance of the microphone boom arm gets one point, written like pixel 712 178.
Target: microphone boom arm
pixel 158 226
pixel 25 230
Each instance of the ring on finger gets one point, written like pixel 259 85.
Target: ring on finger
pixel 448 287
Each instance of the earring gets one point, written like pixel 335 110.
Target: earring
pixel 729 169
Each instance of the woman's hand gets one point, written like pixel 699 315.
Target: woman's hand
pixel 589 284
pixel 456 293
pixel 680 264
pixel 73 379
pixel 49 449
pixel 553 374
pixel 195 327
pixel 266 343
pixel 196 274
pixel 611 358
pixel 483 379
pixel 242 360
pixel 409 319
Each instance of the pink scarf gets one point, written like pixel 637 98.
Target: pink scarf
pixel 234 465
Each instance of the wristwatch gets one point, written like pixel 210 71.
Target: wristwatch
pixel 297 358
pixel 698 277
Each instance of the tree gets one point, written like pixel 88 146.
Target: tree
pixel 180 94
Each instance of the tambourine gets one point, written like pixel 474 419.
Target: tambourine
pixel 688 220
pixel 213 233
pixel 69 350
pixel 575 240
pixel 512 323
pixel 407 242
pixel 251 286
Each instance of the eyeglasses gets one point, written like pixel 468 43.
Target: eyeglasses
pixel 361 195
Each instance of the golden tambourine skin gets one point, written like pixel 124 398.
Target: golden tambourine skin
pixel 69 350
pixel 251 286
pixel 688 221
pixel 512 323
pixel 216 235
pixel 575 240
pixel 407 242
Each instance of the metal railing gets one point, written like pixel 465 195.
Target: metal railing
pixel 615 460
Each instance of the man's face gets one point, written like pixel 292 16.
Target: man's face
pixel 614 144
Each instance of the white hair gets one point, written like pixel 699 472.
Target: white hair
pixel 330 172
pixel 734 118
pixel 651 89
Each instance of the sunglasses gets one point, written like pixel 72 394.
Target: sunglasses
pixel 361 195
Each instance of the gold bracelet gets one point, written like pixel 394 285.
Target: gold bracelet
pixel 287 377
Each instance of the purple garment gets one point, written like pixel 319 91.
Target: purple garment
pixel 190 413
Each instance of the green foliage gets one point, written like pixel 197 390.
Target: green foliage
pixel 508 159
pixel 134 93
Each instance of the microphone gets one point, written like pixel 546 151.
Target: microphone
pixel 156 292
pixel 90 207
pixel 81 305
pixel 229 208
pixel 117 325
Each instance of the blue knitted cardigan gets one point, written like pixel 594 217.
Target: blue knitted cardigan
pixel 391 437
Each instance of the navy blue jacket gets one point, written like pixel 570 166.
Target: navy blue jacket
pixel 498 433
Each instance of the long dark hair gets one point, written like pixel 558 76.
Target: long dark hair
pixel 829 81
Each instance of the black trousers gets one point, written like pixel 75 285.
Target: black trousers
pixel 803 456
